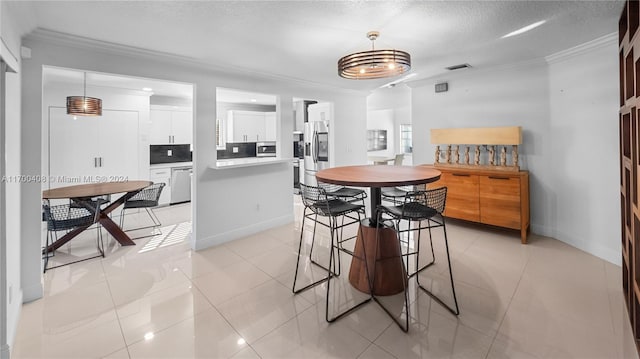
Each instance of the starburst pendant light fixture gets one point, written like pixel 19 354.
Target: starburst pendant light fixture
pixel 374 64
pixel 83 105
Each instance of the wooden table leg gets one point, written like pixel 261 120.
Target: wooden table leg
pixel 389 273
pixel 115 231
pixel 66 238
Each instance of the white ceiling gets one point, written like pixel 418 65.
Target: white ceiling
pixel 304 39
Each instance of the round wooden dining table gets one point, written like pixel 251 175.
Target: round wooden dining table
pixel 389 277
pixel 83 192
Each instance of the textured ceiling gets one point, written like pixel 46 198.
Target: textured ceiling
pixel 304 40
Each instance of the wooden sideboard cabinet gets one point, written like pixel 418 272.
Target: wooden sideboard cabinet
pixel 498 198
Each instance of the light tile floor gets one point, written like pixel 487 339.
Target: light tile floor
pixel 159 299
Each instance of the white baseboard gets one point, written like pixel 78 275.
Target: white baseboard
pixel 597 250
pixel 541 230
pixel 5 352
pixel 13 329
pixel 34 292
pixel 242 232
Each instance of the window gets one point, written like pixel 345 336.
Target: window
pixel 406 146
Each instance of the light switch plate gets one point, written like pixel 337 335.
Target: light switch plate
pixel 235 150
pixel 169 153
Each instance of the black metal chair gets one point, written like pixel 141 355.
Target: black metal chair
pixel 417 207
pixel 318 203
pixel 396 195
pixel 344 193
pixel 147 198
pixel 64 218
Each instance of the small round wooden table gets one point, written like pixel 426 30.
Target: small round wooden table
pixel 82 192
pixel 388 275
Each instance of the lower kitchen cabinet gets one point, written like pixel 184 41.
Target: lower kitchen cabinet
pixel 162 175
pixel 498 198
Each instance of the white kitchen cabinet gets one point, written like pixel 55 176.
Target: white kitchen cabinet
pixel 162 175
pixel 168 127
pixel 247 126
pixel 270 126
pixel 89 149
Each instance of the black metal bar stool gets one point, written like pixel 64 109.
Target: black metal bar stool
pixel 318 203
pixel 417 207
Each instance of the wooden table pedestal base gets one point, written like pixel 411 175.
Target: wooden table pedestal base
pixel 390 272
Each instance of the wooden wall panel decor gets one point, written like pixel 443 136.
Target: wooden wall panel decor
pixel 477 136
pixel 629 147
pixel 629 75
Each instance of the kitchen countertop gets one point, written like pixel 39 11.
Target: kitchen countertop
pixel 248 162
pixel 171 164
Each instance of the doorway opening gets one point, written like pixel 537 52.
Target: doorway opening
pixel 145 133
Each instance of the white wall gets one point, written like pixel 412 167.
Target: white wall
pixel 398 100
pixel 226 203
pixel 383 120
pixel 568 112
pixel 509 96
pixel 11 31
pixel 584 107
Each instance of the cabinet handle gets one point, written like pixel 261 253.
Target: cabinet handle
pixel 461 175
pixel 95 162
pixel 499 178
pixel 100 161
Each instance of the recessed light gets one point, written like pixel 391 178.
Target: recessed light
pixel 147 89
pixel 254 100
pixel 524 29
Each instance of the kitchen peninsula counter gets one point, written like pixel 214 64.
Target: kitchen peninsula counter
pixel 248 162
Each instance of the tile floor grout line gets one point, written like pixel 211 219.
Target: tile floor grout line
pixel 115 309
pixel 495 337
pixel 223 317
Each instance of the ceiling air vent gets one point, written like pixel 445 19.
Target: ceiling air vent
pixel 458 67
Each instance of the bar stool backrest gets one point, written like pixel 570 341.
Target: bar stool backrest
pixel 315 198
pixel 398 160
pixel 436 198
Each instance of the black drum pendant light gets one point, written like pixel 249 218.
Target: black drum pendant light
pixel 374 64
pixel 83 105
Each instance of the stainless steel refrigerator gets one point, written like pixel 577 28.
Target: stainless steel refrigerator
pixel 316 142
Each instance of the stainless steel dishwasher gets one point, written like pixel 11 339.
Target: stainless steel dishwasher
pixel 181 184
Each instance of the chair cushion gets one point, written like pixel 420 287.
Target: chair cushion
pixel 334 207
pixel 393 192
pixel 140 204
pixel 411 210
pixel 346 192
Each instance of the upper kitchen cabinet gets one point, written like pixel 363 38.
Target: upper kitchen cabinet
pixel 170 126
pixel 246 126
pixel 251 126
pixel 270 126
pixel 245 116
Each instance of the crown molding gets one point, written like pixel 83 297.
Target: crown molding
pixel 51 36
pixel 8 57
pixel 452 75
pixel 582 48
